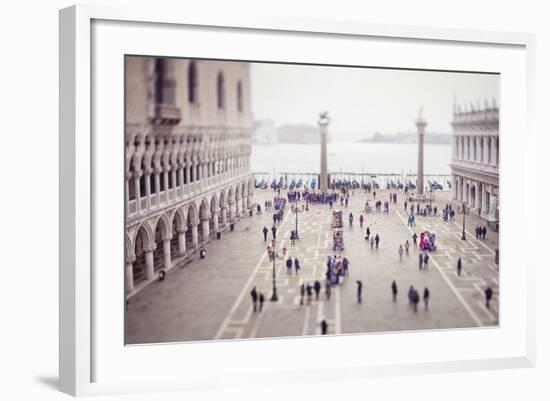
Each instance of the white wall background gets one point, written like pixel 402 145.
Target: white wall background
pixel 29 196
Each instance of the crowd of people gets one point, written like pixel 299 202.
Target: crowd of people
pixel 337 266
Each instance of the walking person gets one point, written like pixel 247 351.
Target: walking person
pixel 262 299
pixel 377 240
pixel 368 233
pixel 426 298
pixel 265 231
pixel 410 294
pixel 345 265
pixel 394 291
pixel 414 237
pixel 488 296
pixel 302 293
pixel 292 237
pixel 274 231
pixel 420 261
pixel 324 327
pixel 371 242
pixel 254 295
pixel 289 266
pixel 309 292
pixel 361 220
pixel 415 300
pixel 407 247
pixel 317 288
pixel 328 290
pixel 400 252
pixel 459 266
pixel 359 291
pixel 426 259
pixel 350 218
pixel 484 231
pixel 297 265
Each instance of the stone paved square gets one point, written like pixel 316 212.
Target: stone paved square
pixel 209 299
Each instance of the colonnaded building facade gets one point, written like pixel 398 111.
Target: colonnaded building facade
pixel 188 143
pixel 475 161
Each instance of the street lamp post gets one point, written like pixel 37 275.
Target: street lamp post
pixel 463 221
pixel 274 297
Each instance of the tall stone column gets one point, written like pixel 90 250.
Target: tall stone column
pixel 224 216
pixel 181 240
pixel 421 126
pixel 244 205
pixel 149 263
pixel 167 253
pixel 130 274
pixel 195 235
pixel 215 219
pixel 231 215
pixel 323 128
pixel 237 209
pixel 205 229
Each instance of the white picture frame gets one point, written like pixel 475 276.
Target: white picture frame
pixel 88 366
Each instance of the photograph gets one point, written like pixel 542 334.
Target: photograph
pixel 272 200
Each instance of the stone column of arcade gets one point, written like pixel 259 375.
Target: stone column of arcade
pixel 224 216
pixel 130 274
pixel 149 262
pixel 205 228
pixel 195 235
pixel 166 251
pixel 215 220
pixel 181 240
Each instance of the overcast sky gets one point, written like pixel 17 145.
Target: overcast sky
pixel 362 101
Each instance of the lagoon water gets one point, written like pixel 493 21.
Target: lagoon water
pixel 350 157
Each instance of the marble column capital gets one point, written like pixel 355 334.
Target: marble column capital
pixel 150 249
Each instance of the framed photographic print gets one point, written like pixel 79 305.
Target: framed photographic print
pixel 235 193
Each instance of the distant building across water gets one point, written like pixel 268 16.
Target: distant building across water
pixel 400 137
pixel 265 133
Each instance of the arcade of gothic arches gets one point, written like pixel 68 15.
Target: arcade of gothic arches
pixel 165 239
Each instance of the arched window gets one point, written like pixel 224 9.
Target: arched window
pixel 221 91
pixel 192 83
pixel 239 97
